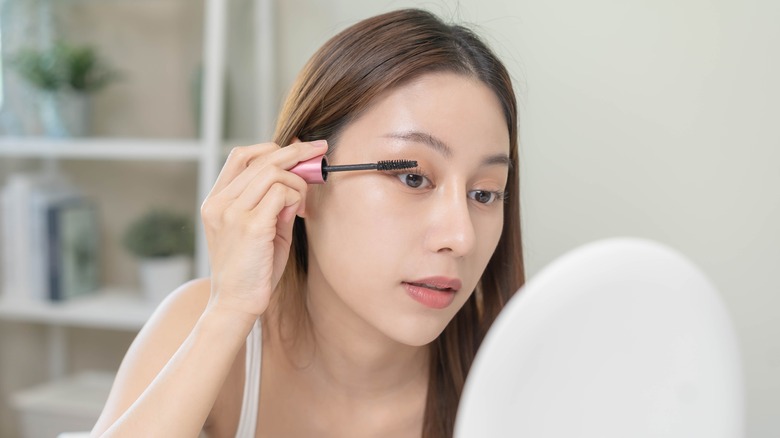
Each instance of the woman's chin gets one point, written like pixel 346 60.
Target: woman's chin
pixel 414 332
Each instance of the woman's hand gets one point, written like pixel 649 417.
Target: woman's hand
pixel 248 218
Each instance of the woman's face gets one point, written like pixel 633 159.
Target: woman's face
pixel 382 245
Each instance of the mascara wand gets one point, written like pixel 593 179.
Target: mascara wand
pixel 316 170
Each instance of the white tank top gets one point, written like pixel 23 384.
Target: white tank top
pixel 247 423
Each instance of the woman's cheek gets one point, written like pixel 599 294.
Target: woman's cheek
pixel 489 232
pixel 381 213
pixel 363 213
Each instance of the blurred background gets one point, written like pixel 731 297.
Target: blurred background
pixel 648 118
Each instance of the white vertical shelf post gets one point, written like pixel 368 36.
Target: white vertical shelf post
pixel 214 39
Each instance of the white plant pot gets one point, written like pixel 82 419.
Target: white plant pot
pixel 160 276
pixel 65 113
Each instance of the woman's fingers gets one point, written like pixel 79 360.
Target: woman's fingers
pixel 291 155
pixel 273 213
pixel 238 160
pixel 263 164
pixel 282 158
pixel 257 188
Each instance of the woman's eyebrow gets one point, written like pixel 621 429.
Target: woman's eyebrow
pixel 498 159
pixel 442 148
pixel 424 138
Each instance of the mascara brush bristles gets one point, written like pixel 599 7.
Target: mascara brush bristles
pixel 381 165
pixel 395 164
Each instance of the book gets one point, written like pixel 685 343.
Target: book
pixel 49 241
pixel 41 201
pixel 15 237
pixel 17 233
pixel 72 249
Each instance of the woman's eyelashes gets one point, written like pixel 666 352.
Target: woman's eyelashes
pixel 487 197
pixel 417 178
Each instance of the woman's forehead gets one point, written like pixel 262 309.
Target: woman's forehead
pixel 443 110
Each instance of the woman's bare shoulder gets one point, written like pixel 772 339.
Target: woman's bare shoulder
pixel 175 317
pixel 156 343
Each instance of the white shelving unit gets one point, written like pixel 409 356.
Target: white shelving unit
pixel 124 310
pixel 108 309
pixel 101 149
pixel 206 151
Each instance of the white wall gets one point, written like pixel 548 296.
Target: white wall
pixel 651 118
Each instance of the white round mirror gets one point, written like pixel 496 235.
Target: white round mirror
pixel 619 338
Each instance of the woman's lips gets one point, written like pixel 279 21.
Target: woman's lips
pixel 433 292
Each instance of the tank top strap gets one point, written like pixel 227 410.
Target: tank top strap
pixel 247 424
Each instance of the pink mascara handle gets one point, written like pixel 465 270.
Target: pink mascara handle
pixel 311 170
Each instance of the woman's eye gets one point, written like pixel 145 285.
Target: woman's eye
pixel 483 196
pixel 413 180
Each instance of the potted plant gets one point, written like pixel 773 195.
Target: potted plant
pixel 65 77
pixel 163 241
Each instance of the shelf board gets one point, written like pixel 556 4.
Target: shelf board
pixel 107 309
pixel 97 148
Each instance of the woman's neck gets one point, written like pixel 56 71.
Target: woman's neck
pixel 352 354
pixel 340 370
pixel 344 355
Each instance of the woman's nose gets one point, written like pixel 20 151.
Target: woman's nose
pixel 450 228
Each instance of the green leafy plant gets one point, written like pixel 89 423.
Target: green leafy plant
pixel 78 68
pixel 160 233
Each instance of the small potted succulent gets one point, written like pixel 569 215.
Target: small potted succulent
pixel 65 76
pixel 164 242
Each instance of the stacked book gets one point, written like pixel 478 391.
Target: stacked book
pixel 49 239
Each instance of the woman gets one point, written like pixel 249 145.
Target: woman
pixel 355 307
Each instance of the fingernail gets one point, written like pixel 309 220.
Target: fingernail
pixel 319 144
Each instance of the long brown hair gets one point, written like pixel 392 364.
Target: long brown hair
pixel 341 80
